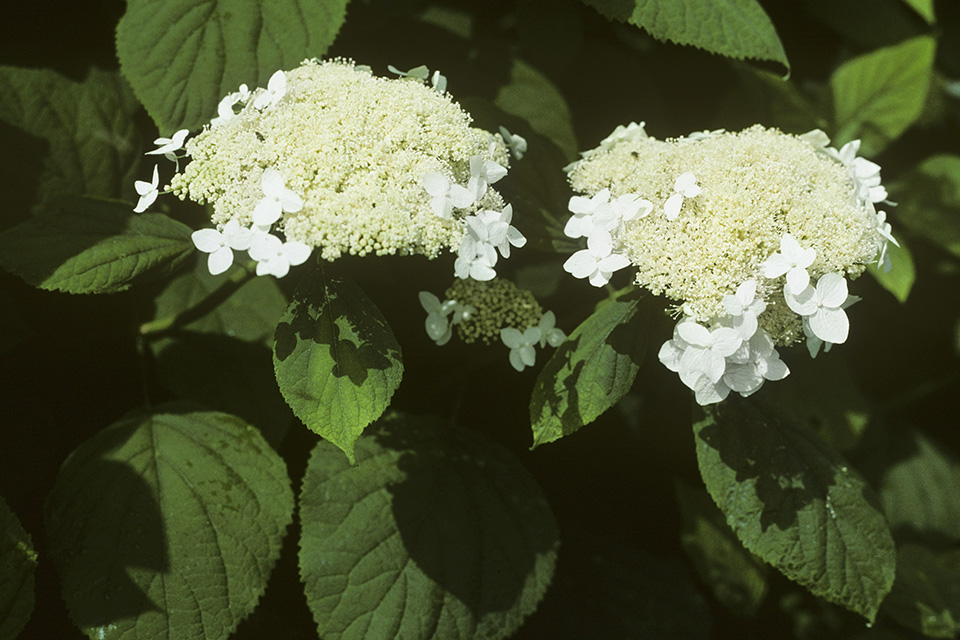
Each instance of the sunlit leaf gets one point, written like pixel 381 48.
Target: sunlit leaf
pixel 88 245
pixel 589 372
pixel 930 201
pixel 435 533
pixel 168 525
pixel 337 361
pixel 733 28
pixel 532 96
pixel 878 95
pixel 899 280
pixel 924 8
pixel 18 563
pixel 182 57
pixel 795 503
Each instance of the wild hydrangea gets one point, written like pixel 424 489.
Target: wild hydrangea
pixel 752 234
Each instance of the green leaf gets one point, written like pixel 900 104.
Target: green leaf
pixel 88 245
pixel 772 100
pixel 929 199
pixel 168 525
pixel 533 97
pixel 336 359
pixel 18 564
pixel 589 372
pixel 94 147
pixel 435 533
pixel 899 280
pixel 924 8
pixel 919 491
pixel 734 28
pixel 926 594
pixel 738 580
pixel 183 57
pixel 877 96
pixel 795 503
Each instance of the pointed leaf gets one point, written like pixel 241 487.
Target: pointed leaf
pixel 899 280
pixel 924 8
pixel 878 95
pixel 589 372
pixel 183 57
pixel 435 533
pixel 734 28
pixel 930 201
pixel 94 147
pixel 168 525
pixel 337 361
pixel 532 96
pixel 795 503
pixel 18 563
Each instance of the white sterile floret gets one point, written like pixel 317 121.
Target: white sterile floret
pixel 446 196
pixel 225 112
pixel 822 307
pixel 706 349
pixel 755 362
pixel 522 346
pixel 276 89
pixel 167 146
pixel 597 262
pixel 515 142
pixel 421 72
pixel 438 327
pixel 438 81
pixel 549 333
pixel 580 224
pixel 275 257
pixel 704 134
pixel 792 260
pixel 221 244
pixel 630 132
pixel 277 198
pixel 483 172
pixel 147 191
pixel 685 187
pixel 743 308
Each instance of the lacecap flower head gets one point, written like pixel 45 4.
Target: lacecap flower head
pixel 752 234
pixel 345 162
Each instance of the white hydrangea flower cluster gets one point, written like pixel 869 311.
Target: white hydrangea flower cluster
pixel 336 159
pixel 752 233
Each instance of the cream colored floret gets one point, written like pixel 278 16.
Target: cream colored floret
pixel 756 185
pixel 355 147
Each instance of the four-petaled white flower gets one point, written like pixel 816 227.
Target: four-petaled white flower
pixel 221 244
pixel 483 173
pixel 628 207
pixel 685 187
pixel 521 345
pixel 276 199
pixel 496 230
pixel 515 142
pixel 758 361
pixel 822 307
pixel 793 260
pixel 275 257
pixel 743 309
pixel 706 350
pixel 580 224
pixel 276 89
pixel 597 262
pixel 169 145
pixel 866 175
pixel 148 191
pixel 549 333
pixel 476 257
pixel 438 327
pixel 632 131
pixel 445 196
pixel 420 73
pixel 225 111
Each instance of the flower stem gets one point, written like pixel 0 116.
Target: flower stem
pixel 161 326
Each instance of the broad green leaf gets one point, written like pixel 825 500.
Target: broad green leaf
pixel 930 201
pixel 738 580
pixel 924 8
pixel 183 57
pixel 589 372
pixel 94 147
pixel 532 96
pixel 250 312
pixel 919 491
pixel 167 525
pixel 795 503
pixel 878 95
pixel 88 245
pixel 18 563
pixel 926 594
pixel 734 28
pixel 899 280
pixel 772 100
pixel 336 359
pixel 435 533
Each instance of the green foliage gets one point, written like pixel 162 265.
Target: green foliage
pixel 182 57
pixel 926 594
pixel 336 359
pixel 930 201
pixel 877 96
pixel 93 145
pixel 589 372
pixel 899 280
pixel 167 524
pixel 734 28
pixel 18 563
pixel 796 504
pixel 89 245
pixel 532 96
pixel 435 533
pixel 924 8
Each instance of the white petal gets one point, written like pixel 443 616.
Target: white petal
pixel 671 208
pixel 705 361
pixel 725 341
pixel 207 240
pixel 145 201
pixel 710 393
pixel 295 252
pixel 493 171
pixel 511 337
pixel 832 291
pixel 797 280
pixel 670 354
pixel 482 272
pixel 776 369
pixel 220 260
pixel 516 361
pixel 775 266
pixel 267 211
pixel 461 197
pixel 265 246
pixel 830 325
pixel 515 238
pixel 435 184
pixel 599 278
pixel 693 333
pixel 556 337
pixel 429 302
pixel 743 378
pixel 613 262
pixel 272 183
pixel 600 244
pixel 581 264
pixel 803 303
pixel 290 201
pixel 528 355
pixel 436 326
pixel 579 226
